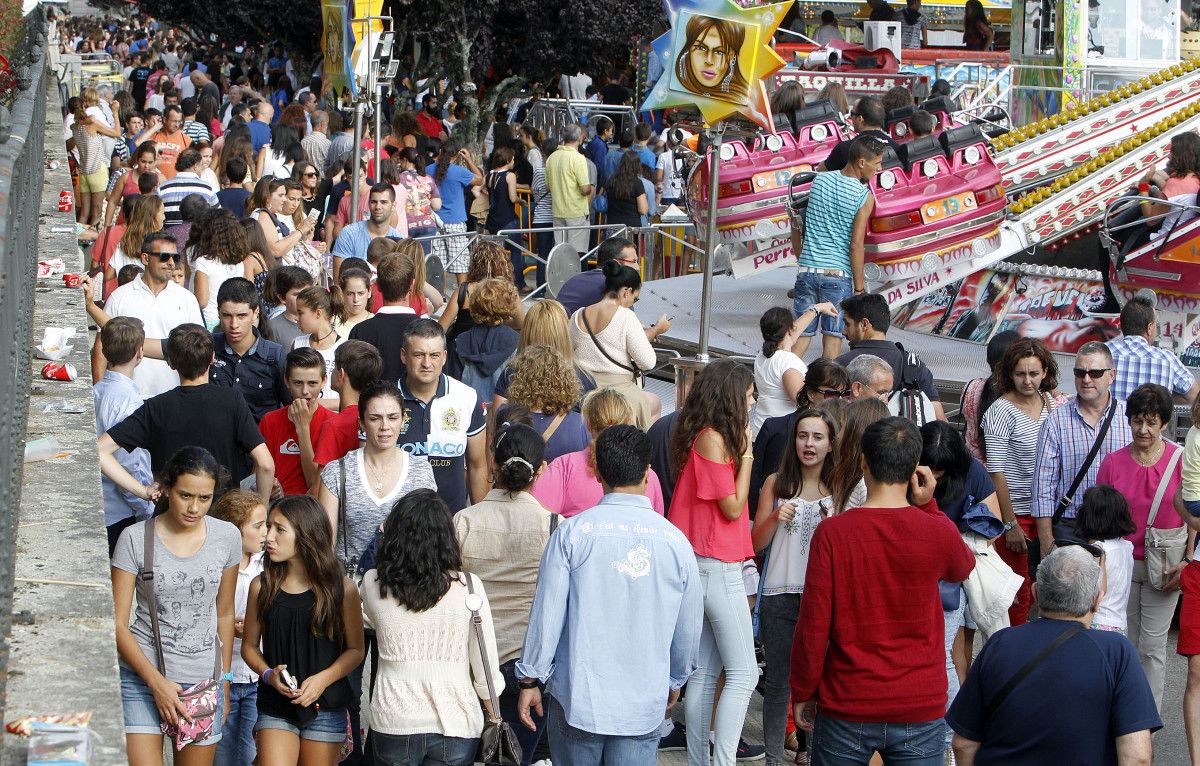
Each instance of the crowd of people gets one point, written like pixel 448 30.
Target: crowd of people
pixel 328 485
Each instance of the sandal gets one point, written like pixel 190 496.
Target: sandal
pixel 802 758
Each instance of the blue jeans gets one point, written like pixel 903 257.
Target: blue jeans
pixel 848 743
pixel 954 621
pixel 421 750
pixel 575 747
pixel 811 289
pixel 508 711
pixel 726 641
pixel 423 231
pixel 236 748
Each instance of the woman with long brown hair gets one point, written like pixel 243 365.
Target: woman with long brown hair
pixel 846 481
pixel 711 454
pixel 146 216
pixel 306 616
pixel 220 253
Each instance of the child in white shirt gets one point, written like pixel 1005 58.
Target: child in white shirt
pixel 1104 520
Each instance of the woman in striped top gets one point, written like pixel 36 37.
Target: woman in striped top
pixel 1024 379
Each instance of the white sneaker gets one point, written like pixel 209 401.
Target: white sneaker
pixel 543 762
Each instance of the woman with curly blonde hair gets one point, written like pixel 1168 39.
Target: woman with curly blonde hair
pixel 545 324
pixel 545 383
pixel 570 484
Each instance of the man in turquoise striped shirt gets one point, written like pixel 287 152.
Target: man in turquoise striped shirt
pixel 830 265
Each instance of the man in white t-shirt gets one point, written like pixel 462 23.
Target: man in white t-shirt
pixel 160 303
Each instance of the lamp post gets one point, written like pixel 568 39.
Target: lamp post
pixel 381 68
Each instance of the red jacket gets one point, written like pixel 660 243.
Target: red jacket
pixel 869 642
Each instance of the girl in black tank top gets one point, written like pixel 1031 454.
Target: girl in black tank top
pixel 308 617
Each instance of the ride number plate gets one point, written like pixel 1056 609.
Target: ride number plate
pixel 777 179
pixel 947 206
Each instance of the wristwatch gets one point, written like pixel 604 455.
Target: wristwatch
pixel 528 683
pixel 1010 524
pixel 228 677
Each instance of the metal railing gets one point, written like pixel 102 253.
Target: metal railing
pixel 21 176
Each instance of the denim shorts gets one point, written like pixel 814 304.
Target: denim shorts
pixel 813 288
pixel 328 726
pixel 1192 507
pixel 141 714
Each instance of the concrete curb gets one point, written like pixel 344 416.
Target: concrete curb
pixel 64 656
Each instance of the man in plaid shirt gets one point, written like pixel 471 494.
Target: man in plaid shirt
pixel 1138 361
pixel 1067 436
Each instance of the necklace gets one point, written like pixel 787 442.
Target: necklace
pixel 376 476
pixel 1156 452
pixel 323 337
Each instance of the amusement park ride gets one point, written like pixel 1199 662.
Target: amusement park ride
pixel 957 203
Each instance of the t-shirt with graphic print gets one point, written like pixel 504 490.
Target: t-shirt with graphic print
pixel 279 432
pixel 186 589
pixel 440 429
pixel 365 510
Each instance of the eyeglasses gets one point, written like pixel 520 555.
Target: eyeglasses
pixel 834 392
pixel 1095 550
pixel 1093 374
pixel 164 257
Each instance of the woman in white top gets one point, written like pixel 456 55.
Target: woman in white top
pixel 375 476
pixel 778 371
pixel 432 674
pixel 791 504
pixel 276 158
pixel 221 250
pixel 612 346
pixel 268 201
pixel 205 169
pixel 316 309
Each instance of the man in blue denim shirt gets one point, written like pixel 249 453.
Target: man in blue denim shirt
pixel 615 627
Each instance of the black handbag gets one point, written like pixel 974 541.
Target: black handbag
pixel 498 742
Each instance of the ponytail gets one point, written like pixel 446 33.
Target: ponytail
pixel 774 325
pixel 330 302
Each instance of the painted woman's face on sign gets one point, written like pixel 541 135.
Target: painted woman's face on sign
pixel 709 58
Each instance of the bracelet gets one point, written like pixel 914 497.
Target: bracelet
pixel 228 677
pixel 266 675
pixel 746 456
pixel 528 684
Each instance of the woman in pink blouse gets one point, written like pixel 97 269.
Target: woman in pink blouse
pixel 711 453
pixel 569 484
pixel 1136 472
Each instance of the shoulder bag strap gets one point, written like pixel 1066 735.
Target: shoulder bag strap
pixel 152 595
pixel 588 326
pixel 550 429
pixel 1065 502
pixel 1029 667
pixel 554 518
pixel 477 623
pixel 1162 486
pixel 343 522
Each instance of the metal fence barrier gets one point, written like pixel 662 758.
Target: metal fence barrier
pixel 21 176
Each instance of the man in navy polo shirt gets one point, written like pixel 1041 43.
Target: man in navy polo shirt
pixel 252 365
pixel 443 418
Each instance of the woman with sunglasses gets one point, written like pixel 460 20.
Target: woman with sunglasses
pixel 314 192
pixel 1137 471
pixel 1024 379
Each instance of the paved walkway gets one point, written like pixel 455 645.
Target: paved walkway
pixel 1170 744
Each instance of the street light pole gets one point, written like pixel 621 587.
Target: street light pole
pixel 716 133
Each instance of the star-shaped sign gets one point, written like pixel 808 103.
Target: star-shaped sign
pixel 715 56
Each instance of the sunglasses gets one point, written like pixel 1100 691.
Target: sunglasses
pixel 1093 374
pixel 1095 550
pixel 164 257
pixel 835 392
pixel 312 175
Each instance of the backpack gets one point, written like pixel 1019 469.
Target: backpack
pixel 908 400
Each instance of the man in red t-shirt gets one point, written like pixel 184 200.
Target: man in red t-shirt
pixel 869 649
pixel 356 366
pixel 290 432
pixel 430 117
